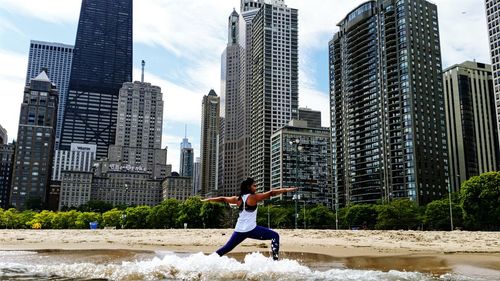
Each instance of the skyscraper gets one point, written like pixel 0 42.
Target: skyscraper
pixel 56 58
pixel 313 117
pixel 35 144
pixel 3 135
pixel 197 175
pixel 387 105
pixel 274 92
pixel 6 165
pixel 139 128
pixel 235 108
pixel 186 159
pixel 102 62
pixel 470 121
pixel 209 143
pixel 493 18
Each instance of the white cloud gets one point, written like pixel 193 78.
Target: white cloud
pixel 12 78
pixel 55 11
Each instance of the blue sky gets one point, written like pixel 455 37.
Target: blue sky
pixel 182 40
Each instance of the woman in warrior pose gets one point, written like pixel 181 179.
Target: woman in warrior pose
pixel 246 226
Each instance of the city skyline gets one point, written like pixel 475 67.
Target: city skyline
pixel 186 69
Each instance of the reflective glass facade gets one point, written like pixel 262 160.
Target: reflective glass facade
pixel 102 62
pixel 387 108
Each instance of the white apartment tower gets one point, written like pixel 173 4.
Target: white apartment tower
pixel 493 18
pixel 56 59
pixel 139 129
pixel 274 90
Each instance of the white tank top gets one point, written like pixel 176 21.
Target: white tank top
pixel 247 220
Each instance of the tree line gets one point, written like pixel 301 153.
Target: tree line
pixel 475 207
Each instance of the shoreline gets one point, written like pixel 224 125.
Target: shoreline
pixel 473 254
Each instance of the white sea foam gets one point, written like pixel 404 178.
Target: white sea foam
pixel 171 266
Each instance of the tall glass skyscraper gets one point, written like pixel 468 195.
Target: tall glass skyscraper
pixel 387 104
pixel 493 18
pixel 102 62
pixel 56 58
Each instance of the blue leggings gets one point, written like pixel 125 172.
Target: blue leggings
pixel 260 233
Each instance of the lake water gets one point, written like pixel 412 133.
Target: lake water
pixel 133 265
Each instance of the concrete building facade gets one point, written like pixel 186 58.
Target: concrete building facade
pixel 35 144
pixel 493 20
pixel 56 59
pixel 301 157
pixel 209 144
pixel 470 121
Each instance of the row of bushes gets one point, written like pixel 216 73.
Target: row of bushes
pixel 475 207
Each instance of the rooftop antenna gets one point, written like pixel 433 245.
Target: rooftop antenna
pixel 142 74
pixel 185 130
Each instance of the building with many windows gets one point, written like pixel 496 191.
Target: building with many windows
pixel 313 117
pixel 209 143
pixel 186 158
pixel 300 157
pixel 35 144
pixel 75 188
pixel 177 187
pixel 4 138
pixel 387 105
pixel 139 129
pixel 470 121
pixel 274 92
pixel 6 163
pixel 493 19
pixel 102 62
pixel 78 158
pixel 55 59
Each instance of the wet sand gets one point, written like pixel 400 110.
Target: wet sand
pixel 470 253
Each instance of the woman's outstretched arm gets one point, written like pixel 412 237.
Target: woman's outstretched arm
pixel 229 200
pixel 262 196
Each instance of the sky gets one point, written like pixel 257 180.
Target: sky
pixel 182 42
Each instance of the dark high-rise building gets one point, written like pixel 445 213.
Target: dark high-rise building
pixel 6 165
pixel 275 89
pixel 35 144
pixel 102 62
pixel 387 104
pixel 56 58
pixel 209 143
pixel 3 135
pixel 470 121
pixel 313 117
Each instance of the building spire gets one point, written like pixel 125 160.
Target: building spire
pixel 142 74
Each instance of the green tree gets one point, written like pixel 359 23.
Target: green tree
pixel 112 218
pixel 95 206
pixel 437 215
pixel 480 201
pixel 398 214
pixel 165 214
pixel 85 218
pixel 9 219
pixel 361 216
pixel 320 217
pixel 280 216
pixel 137 217
pixel 65 220
pixel 190 213
pixel 45 218
pixel 211 214
pixel 24 217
